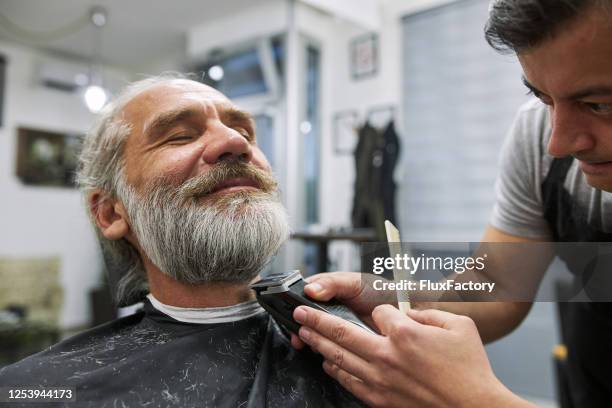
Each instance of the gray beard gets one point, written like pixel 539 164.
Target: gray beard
pixel 195 241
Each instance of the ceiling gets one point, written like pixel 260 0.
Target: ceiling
pixel 137 33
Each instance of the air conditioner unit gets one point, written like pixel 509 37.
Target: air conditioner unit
pixel 62 76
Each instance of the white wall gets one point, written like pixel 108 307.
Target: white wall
pixel 362 12
pixel 264 18
pixel 44 221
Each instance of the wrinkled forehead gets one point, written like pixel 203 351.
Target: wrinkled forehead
pixel 170 96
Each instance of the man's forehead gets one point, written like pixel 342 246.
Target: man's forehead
pixel 171 95
pixel 573 62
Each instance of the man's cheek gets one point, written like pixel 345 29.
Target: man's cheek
pixel 176 167
pixel 260 160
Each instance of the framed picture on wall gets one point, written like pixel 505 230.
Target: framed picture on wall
pixel 47 158
pixel 364 56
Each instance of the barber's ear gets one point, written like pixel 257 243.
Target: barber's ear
pixel 110 215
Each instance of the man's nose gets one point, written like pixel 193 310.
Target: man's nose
pixel 570 133
pixel 225 143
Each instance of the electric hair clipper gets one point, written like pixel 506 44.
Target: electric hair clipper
pixel 281 293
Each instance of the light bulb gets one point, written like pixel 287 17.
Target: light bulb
pixel 95 98
pixel 305 127
pixel 215 72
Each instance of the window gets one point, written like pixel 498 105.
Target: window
pixel 253 70
pixel 310 132
pixel 460 98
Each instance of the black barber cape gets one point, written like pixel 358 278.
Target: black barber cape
pixel 149 359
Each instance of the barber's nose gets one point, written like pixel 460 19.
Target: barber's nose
pixel 225 143
pixel 570 132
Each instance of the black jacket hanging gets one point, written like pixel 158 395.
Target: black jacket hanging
pixel 376 156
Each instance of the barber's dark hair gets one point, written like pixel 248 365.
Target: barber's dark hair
pixel 517 25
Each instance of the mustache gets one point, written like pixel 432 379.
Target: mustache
pixel 208 182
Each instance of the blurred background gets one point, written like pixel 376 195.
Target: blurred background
pixel 366 109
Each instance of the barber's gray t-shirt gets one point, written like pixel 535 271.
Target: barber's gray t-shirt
pixel 524 165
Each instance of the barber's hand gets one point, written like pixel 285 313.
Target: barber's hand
pixel 352 289
pixel 429 358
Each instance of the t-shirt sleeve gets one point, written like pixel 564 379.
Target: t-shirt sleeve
pixel 518 206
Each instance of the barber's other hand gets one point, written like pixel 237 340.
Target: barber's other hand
pixel 353 289
pixel 429 358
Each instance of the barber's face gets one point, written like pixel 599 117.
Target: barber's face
pixel 572 74
pixel 180 131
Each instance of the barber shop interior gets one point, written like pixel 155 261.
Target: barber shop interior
pixel 180 181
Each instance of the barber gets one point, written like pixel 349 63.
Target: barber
pixel 554 185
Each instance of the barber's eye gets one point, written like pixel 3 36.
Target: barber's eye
pixel 534 92
pixel 545 100
pixel 600 108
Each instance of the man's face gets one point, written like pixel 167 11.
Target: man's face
pixel 202 203
pixel 572 74
pixel 182 130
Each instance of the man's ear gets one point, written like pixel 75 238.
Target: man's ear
pixel 110 215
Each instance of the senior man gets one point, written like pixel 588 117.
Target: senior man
pixel 186 205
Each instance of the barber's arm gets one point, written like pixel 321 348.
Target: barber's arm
pixel 429 358
pixel 516 265
pixel 494 319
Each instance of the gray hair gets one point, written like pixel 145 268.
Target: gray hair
pixel 517 25
pixel 101 167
